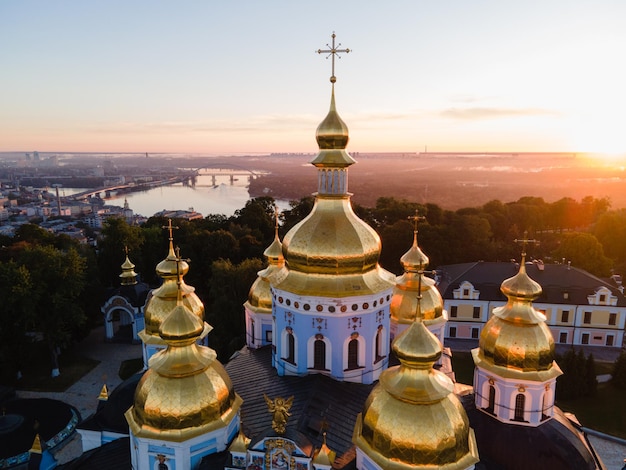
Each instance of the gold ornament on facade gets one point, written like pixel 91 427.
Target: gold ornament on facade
pixel 279 409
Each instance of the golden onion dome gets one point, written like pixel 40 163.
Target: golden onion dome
pixel 185 392
pixel 128 276
pixel 412 284
pixel 414 260
pixel 332 252
pixel 516 337
pixel 412 419
pixel 332 240
pixel 260 295
pixel 163 299
pixel 168 267
pixel 332 139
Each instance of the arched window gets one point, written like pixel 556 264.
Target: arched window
pixel 379 346
pixel 290 346
pixel 492 400
pixel 544 408
pixel 520 403
pixel 353 354
pixel 319 354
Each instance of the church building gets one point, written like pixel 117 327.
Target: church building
pixel 342 367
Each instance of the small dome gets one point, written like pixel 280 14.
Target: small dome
pixel 181 407
pixel 168 267
pixel 413 283
pixel 128 276
pixel 332 139
pixel 412 417
pixel 163 299
pixel 260 295
pixel 185 392
pixel 414 260
pixel 332 132
pixel 516 336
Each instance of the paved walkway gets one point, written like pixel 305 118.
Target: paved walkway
pixel 84 393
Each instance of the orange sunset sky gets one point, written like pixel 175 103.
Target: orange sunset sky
pixel 236 77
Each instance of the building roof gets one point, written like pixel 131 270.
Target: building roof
pixel 557 444
pixel 555 280
pixel 320 403
pixel 22 419
pixel 110 414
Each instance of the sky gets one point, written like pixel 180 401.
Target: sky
pixel 242 76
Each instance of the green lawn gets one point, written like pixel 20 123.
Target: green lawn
pixel 606 412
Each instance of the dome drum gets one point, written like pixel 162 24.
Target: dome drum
pixel 500 397
pixel 347 340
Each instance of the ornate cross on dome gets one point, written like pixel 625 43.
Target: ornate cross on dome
pixel 332 51
pixel 178 261
pixel 276 214
pixel 524 241
pixel 416 218
pixel 170 228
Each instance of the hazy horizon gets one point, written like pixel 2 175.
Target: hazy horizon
pixel 242 77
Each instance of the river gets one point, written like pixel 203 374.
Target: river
pixel 207 196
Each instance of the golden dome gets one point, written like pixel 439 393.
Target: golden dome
pixel 186 392
pixel 413 283
pixel 332 252
pixel 412 419
pixel 516 338
pixel 332 240
pixel 260 295
pixel 163 299
pixel 332 132
pixel 128 276
pixel 332 139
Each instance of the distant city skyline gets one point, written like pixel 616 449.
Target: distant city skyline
pixel 239 77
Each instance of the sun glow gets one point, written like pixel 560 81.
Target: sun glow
pixel 602 139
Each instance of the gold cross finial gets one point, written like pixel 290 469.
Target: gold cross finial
pixel 276 214
pixel 525 241
pixel 126 249
pixel 170 228
pixel 333 51
pixel 416 218
pixel 418 305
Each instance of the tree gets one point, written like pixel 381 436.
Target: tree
pixel 230 284
pixel 396 240
pixel 15 291
pixel 585 252
pixel 57 282
pixel 117 235
pixel 299 210
pixel 618 378
pixel 591 380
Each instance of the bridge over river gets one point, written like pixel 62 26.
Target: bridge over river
pixel 188 176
